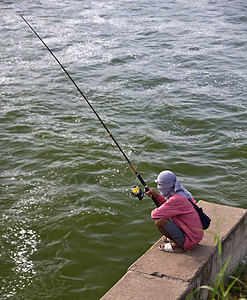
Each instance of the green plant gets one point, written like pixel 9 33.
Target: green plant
pixel 239 289
pixel 220 290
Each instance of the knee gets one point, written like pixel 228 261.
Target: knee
pixel 160 223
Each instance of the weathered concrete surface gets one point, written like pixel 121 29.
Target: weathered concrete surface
pixel 136 285
pixel 176 275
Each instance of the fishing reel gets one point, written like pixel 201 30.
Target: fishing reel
pixel 137 192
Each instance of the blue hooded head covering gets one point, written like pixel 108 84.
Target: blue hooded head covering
pixel 168 185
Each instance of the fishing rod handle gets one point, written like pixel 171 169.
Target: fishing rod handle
pixel 153 198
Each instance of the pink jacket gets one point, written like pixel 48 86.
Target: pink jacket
pixel 184 215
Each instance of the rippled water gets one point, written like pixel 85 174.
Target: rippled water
pixel 168 79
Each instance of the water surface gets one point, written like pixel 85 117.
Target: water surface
pixel 168 79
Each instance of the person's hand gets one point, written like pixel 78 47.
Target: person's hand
pixel 151 193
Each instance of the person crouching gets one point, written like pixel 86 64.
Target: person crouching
pixel 176 218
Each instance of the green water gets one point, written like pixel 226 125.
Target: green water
pixel 168 79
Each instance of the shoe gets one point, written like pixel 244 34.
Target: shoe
pixel 168 248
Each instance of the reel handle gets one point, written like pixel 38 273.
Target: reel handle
pixel 137 192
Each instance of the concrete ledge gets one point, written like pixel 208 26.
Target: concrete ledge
pixel 135 285
pixel 176 275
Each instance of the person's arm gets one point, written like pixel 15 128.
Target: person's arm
pixel 159 198
pixel 176 205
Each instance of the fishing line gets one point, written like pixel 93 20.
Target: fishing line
pixel 136 190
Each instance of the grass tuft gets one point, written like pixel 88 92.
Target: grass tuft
pixel 227 287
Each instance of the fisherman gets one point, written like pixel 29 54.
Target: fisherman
pixel 176 217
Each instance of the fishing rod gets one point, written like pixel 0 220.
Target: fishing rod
pixel 136 191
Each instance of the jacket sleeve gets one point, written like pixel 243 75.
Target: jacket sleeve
pixel 162 213
pixel 169 209
pixel 161 200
